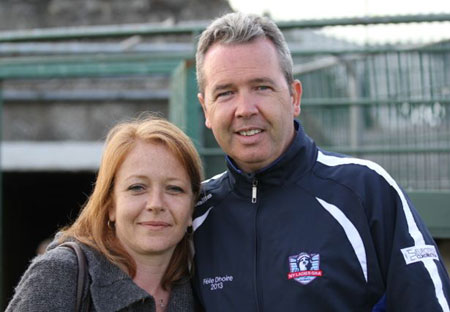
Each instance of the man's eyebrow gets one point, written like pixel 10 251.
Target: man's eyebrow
pixel 227 86
pixel 221 87
pixel 262 80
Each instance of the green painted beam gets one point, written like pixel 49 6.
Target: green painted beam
pixel 434 208
pixel 365 20
pixel 93 69
pixel 109 31
pixel 96 58
pixel 97 32
pixel 370 50
pixel 88 65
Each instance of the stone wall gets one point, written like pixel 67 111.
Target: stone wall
pixel 86 119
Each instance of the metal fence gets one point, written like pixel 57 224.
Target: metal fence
pixel 390 106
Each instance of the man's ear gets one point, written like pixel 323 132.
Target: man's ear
pixel 201 99
pixel 296 96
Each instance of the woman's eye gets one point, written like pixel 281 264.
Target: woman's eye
pixel 136 188
pixel 175 189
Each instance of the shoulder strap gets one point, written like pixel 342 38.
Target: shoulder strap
pixel 82 272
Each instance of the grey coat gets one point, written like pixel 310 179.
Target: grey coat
pixel 49 284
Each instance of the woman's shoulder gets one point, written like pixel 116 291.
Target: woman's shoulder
pixel 59 259
pixel 54 263
pixel 48 283
pixel 59 253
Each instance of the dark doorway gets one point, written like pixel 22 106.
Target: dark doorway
pixel 35 205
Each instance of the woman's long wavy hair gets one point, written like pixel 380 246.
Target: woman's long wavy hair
pixel 91 226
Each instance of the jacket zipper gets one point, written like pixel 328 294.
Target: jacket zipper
pixel 255 272
pixel 254 190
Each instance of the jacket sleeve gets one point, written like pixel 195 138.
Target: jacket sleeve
pixel 49 284
pixel 414 274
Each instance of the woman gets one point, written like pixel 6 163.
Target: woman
pixel 134 229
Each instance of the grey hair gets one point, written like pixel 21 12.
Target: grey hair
pixel 234 28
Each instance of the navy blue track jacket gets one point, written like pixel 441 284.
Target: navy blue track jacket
pixel 314 232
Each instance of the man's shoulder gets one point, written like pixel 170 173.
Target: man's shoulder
pixel 360 175
pixel 348 166
pixel 217 184
pixel 215 181
pixel 213 190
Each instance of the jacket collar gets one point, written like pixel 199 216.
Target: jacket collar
pixel 294 162
pixel 113 290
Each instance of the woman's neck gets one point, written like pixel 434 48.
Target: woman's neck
pixel 149 272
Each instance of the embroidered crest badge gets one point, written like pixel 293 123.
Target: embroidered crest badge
pixel 304 267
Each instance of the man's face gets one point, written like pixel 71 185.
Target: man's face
pixel 247 102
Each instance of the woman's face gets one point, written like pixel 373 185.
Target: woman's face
pixel 153 201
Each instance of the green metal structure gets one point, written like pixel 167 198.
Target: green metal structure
pixel 86 66
pixel 388 104
pixel 1 205
pixel 183 90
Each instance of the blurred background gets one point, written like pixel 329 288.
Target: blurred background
pixel 375 75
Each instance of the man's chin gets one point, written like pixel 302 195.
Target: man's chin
pixel 252 162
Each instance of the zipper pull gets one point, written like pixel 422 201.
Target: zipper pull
pixel 254 190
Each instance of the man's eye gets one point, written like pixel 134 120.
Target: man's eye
pixel 223 94
pixel 263 88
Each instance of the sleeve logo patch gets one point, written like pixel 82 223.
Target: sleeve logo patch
pixel 419 253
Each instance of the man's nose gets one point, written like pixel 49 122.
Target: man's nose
pixel 246 105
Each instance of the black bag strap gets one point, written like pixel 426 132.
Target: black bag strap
pixel 83 275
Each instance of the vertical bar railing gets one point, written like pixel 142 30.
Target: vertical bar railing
pixel 2 299
pixel 355 110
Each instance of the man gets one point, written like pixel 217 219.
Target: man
pixel 290 227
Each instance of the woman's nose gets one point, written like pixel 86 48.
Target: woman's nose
pixel 155 202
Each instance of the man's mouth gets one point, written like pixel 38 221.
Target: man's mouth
pixel 250 132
